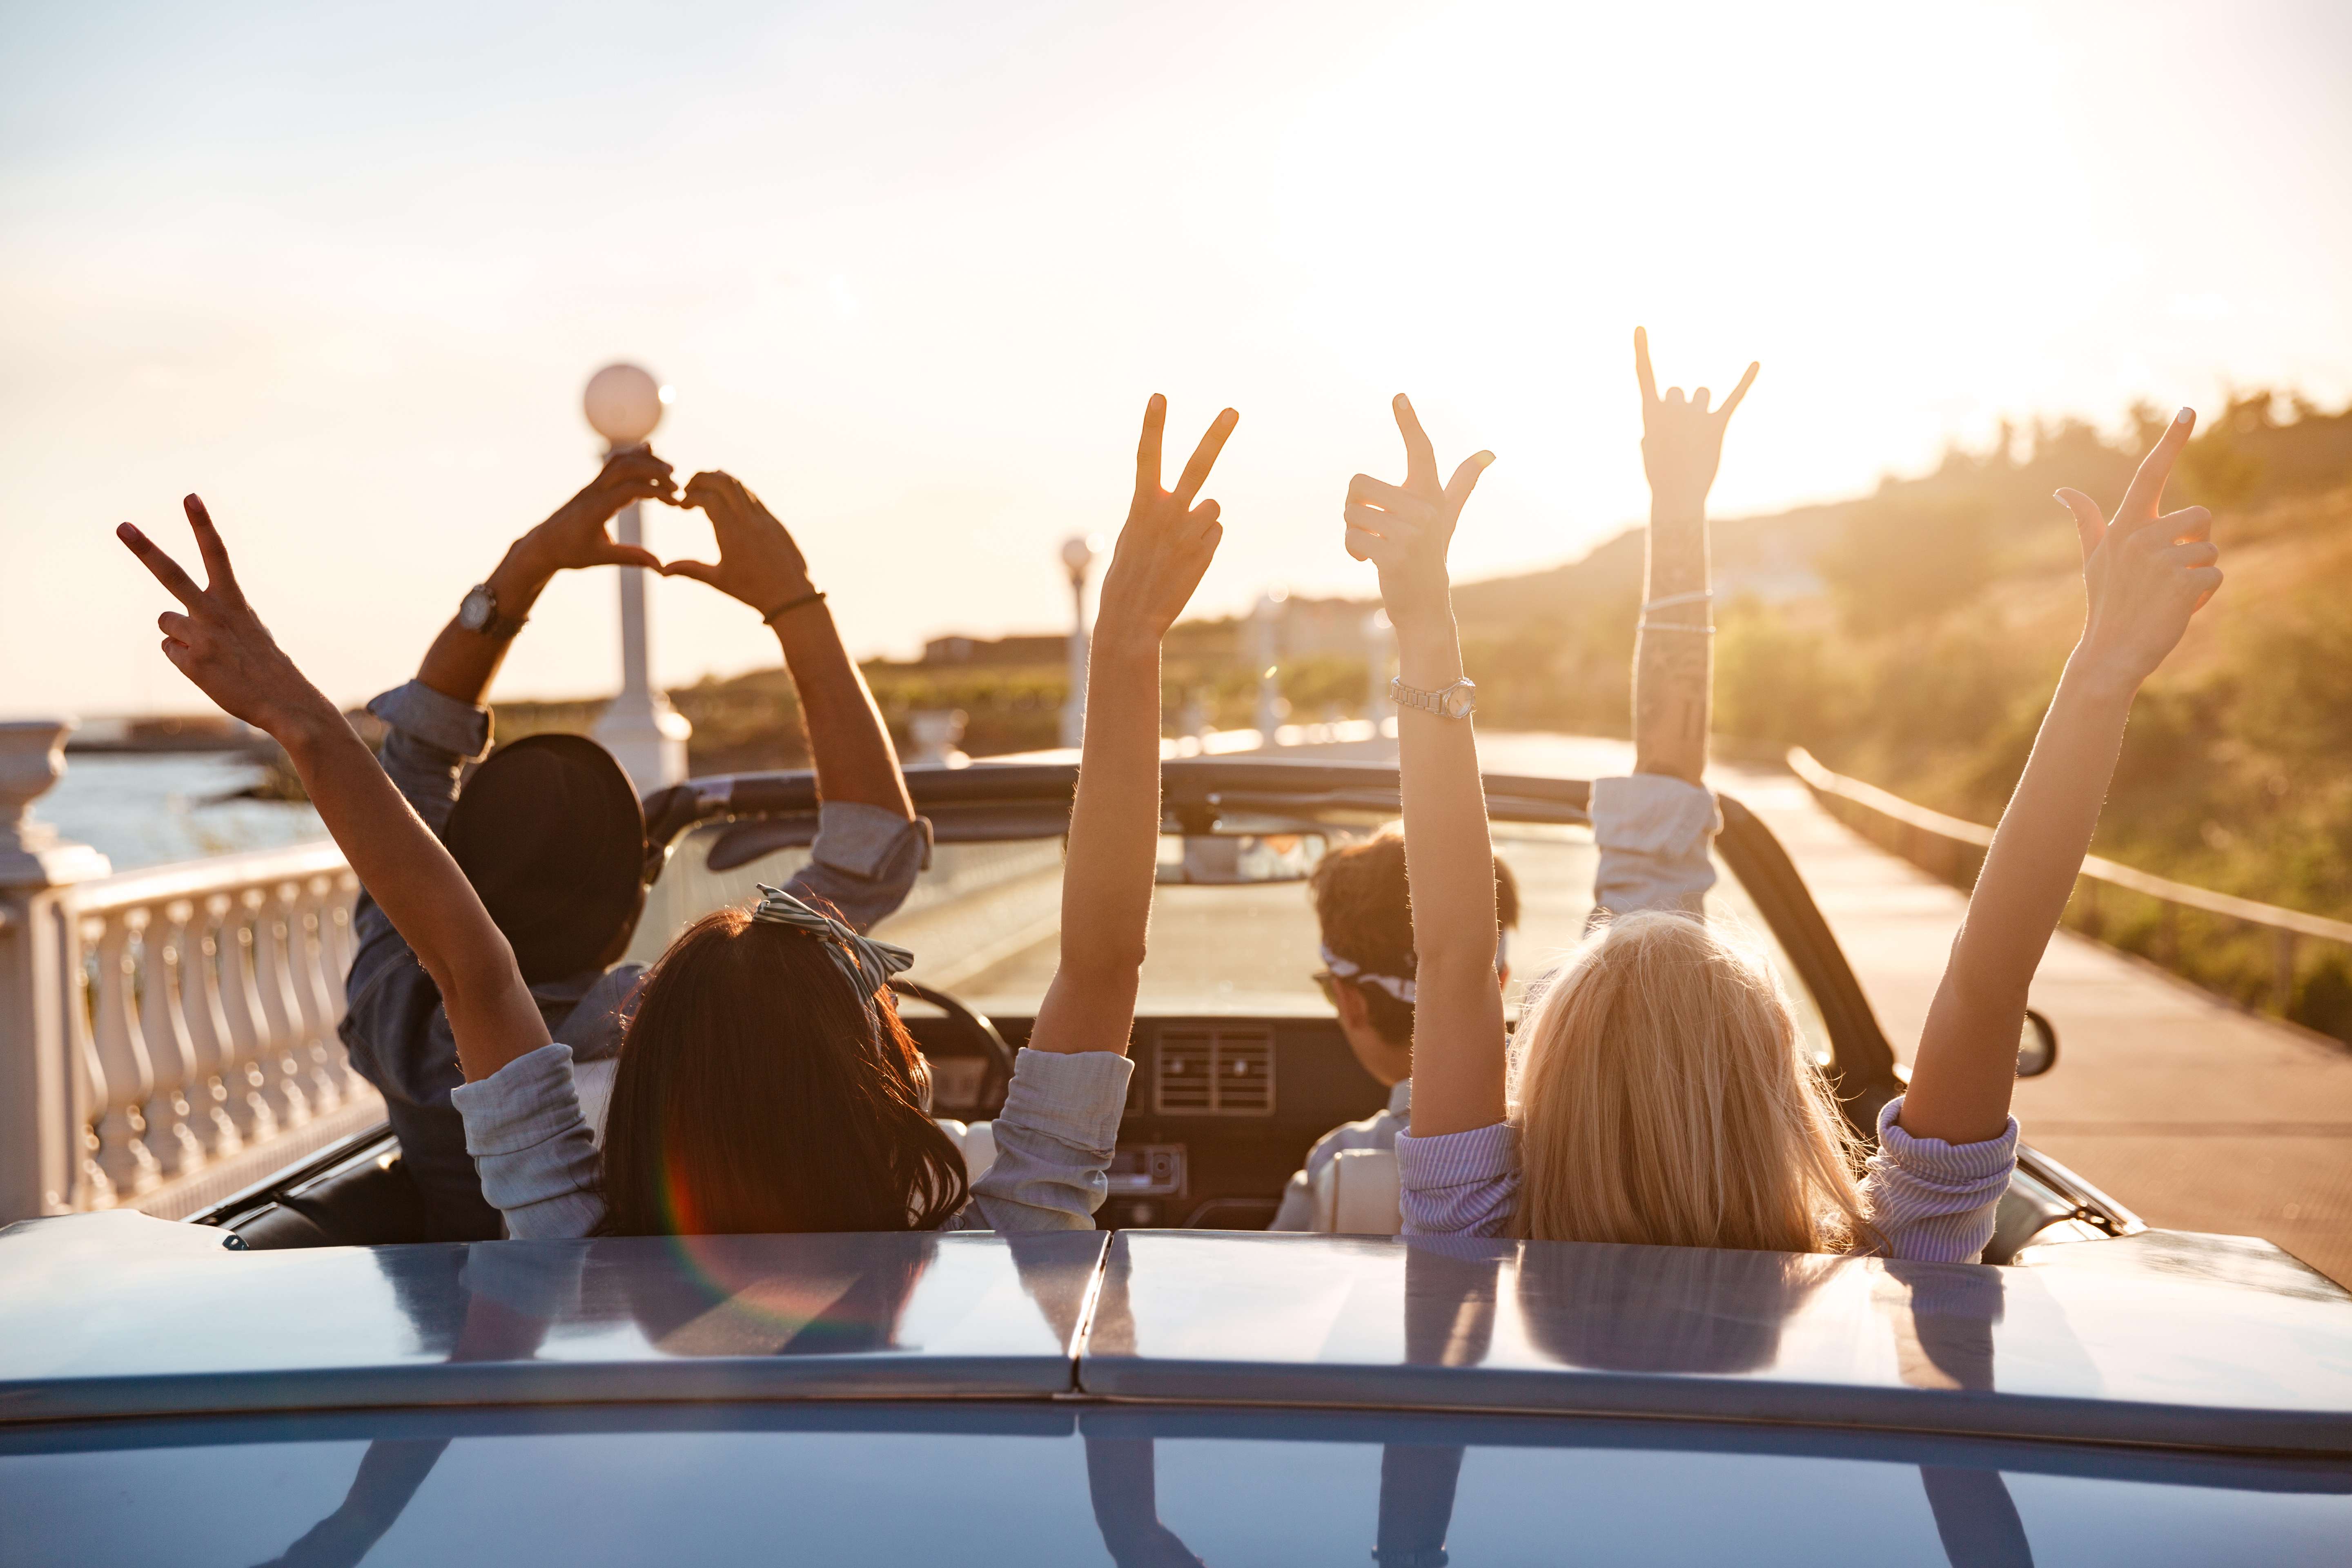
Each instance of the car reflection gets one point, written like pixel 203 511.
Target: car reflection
pixel 717 1296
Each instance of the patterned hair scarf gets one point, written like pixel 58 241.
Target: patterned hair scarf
pixel 868 963
pixel 1397 985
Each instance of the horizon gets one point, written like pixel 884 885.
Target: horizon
pixel 912 275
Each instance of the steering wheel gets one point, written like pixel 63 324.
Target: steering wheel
pixel 977 1028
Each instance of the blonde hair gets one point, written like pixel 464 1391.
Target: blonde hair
pixel 1663 1098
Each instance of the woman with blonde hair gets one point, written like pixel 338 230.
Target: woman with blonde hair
pixel 1659 1093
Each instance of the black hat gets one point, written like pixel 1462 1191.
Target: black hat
pixel 550 833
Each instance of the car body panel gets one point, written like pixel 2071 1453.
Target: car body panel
pixel 2100 1352
pixel 117 1314
pixel 1053 1484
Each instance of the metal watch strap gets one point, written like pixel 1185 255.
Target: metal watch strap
pixel 1437 701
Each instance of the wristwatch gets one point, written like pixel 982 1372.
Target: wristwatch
pixel 478 612
pixel 1458 701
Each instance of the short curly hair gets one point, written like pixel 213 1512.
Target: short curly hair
pixel 1366 911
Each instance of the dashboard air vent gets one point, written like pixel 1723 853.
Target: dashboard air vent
pixel 1214 1070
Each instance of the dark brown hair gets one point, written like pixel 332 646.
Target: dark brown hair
pixel 1366 911
pixel 759 1091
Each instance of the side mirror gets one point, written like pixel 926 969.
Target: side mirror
pixel 2037 1045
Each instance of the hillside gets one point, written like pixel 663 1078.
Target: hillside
pixel 1910 636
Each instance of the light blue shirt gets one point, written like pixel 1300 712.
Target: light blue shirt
pixel 537 1153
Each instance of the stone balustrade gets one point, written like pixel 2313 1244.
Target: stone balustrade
pixel 167 1036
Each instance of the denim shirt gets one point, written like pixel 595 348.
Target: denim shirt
pixel 1931 1201
pixel 395 1029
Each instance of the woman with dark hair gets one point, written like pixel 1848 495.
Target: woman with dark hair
pixel 765 1081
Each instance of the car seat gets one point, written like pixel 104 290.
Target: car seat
pixel 1356 1194
pixel 976 1141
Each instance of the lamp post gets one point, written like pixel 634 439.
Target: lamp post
pixel 1379 655
pixel 646 735
pixel 1077 554
pixel 1265 627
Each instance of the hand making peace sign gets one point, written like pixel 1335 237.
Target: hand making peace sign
pixel 220 643
pixel 1405 529
pixel 1167 541
pixel 2144 574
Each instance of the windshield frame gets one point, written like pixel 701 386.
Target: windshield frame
pixel 989 802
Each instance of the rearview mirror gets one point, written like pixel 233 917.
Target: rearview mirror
pixel 1226 860
pixel 2037 1045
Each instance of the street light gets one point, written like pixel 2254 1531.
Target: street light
pixel 646 735
pixel 1266 624
pixel 1077 554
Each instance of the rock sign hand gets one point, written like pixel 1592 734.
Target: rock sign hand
pixel 1404 530
pixel 1681 442
pixel 2144 574
pixel 1167 541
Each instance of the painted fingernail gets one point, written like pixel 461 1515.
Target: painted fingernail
pixel 2184 416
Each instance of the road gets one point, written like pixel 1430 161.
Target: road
pixel 2196 1115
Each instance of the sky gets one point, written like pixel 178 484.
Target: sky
pixel 912 269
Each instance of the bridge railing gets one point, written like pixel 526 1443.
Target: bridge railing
pixel 167 1036
pixel 2193 930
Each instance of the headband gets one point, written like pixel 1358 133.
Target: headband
pixel 867 963
pixel 1396 985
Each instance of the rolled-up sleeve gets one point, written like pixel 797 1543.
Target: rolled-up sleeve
pixel 1934 1202
pixel 534 1150
pixel 390 1023
pixel 1459 1183
pixel 863 862
pixel 1654 833
pixel 1053 1140
pixel 428 740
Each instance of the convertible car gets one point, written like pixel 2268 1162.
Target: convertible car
pixel 294 1378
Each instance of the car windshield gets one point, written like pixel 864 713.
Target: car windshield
pixel 982 921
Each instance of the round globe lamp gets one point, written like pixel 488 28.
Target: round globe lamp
pixel 625 403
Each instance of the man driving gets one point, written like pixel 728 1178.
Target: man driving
pixel 1366 916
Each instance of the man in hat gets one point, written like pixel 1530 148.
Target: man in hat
pixel 550 833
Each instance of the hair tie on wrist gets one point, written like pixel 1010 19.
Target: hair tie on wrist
pixel 789 605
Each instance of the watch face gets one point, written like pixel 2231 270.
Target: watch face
pixel 1460 699
pixel 475 610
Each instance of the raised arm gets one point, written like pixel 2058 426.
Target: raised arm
pixel 1673 653
pixel 221 646
pixel 1114 846
pixel 2145 574
pixel 463 659
pixel 760 564
pixel 1457 1030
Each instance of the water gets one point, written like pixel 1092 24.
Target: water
pixel 153 809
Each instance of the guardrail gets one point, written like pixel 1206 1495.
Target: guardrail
pixel 167 1036
pixel 213 992
pixel 1954 849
